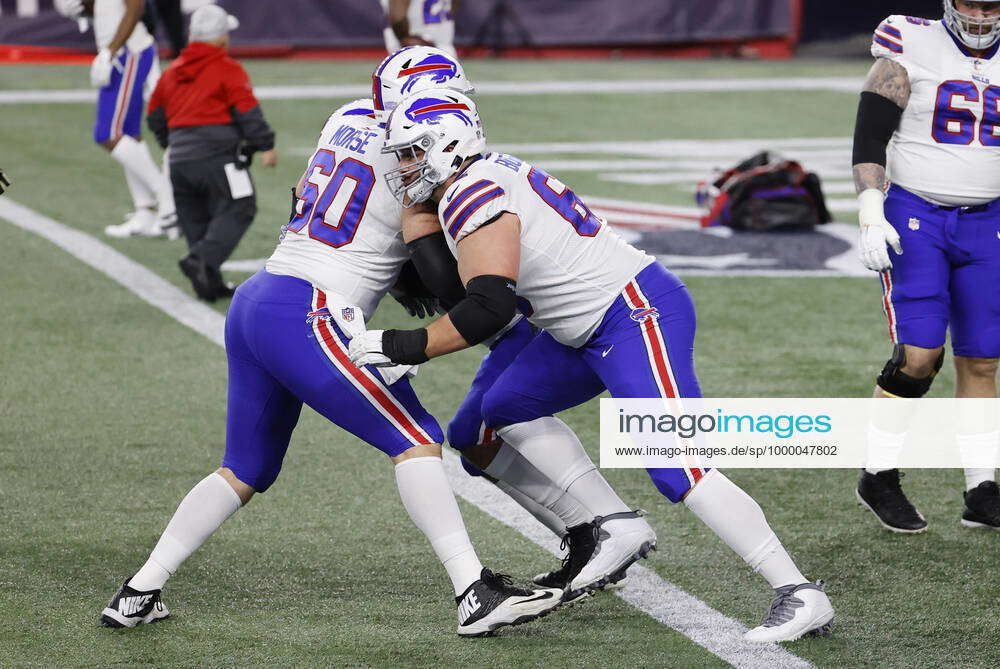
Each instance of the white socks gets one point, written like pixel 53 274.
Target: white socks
pixel 142 196
pixel 427 497
pixel 553 448
pixel 739 521
pixel 512 467
pixel 541 514
pixel 978 453
pixel 200 513
pixel 165 195
pixel 884 449
pixel 144 178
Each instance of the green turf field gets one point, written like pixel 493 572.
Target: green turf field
pixel 110 411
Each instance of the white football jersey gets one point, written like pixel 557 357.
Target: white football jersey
pixel 107 15
pixel 573 265
pixel 947 146
pixel 346 238
pixel 430 20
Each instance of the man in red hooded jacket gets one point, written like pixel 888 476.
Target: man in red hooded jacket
pixel 204 109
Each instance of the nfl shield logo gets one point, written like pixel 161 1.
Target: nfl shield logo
pixel 914 224
pixel 347 313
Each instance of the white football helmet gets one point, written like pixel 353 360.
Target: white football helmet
pixel 413 69
pixel 432 133
pixel 975 32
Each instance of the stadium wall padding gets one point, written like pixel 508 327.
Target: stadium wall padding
pixel 497 23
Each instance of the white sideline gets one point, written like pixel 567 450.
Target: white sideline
pixel 647 591
pixel 837 84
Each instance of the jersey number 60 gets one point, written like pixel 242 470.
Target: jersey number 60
pixel 333 198
pixel 955 125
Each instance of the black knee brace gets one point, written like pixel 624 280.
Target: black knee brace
pixel 895 382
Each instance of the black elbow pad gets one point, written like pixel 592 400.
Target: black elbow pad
pixel 878 118
pixel 490 303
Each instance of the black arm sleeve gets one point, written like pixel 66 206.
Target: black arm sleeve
pixel 157 122
pixel 878 118
pixel 489 305
pixel 254 128
pixel 437 268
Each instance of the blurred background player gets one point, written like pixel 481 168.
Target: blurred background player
pixel 204 109
pixel 125 65
pixel 420 22
pixel 287 335
pixel 928 97
pixel 613 319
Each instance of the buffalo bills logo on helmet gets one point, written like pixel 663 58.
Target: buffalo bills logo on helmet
pixel 432 110
pixel 438 67
pixel 640 315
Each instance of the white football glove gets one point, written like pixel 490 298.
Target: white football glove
pixel 100 69
pixel 69 8
pixel 366 349
pixel 876 232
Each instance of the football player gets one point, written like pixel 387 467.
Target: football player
pixel 287 333
pixel 930 99
pixel 612 318
pixel 602 535
pixel 125 69
pixel 420 23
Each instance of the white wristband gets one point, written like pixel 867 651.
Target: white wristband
pixel 871 203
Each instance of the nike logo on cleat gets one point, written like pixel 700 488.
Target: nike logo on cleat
pixel 130 606
pixel 544 595
pixel 468 606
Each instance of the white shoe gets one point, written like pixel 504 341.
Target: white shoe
pixel 622 538
pixel 493 602
pixel 140 223
pixel 797 611
pixel 130 607
pixel 169 227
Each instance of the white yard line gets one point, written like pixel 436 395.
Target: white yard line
pixel 647 591
pixel 837 84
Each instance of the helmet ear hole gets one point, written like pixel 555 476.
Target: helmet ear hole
pixel 451 147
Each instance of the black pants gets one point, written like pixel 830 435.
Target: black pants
pixel 212 221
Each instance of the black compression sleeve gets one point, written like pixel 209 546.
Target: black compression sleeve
pixel 878 118
pixel 489 306
pixel 437 268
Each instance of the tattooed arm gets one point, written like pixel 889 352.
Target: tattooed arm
pixel 888 80
pixel 883 99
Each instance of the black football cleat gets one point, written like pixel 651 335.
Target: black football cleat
pixel 493 602
pixel 982 507
pixel 882 495
pixel 131 607
pixel 579 543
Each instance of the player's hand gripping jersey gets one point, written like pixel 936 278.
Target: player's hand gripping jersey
pixel 572 265
pixel 947 146
pixel 345 237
